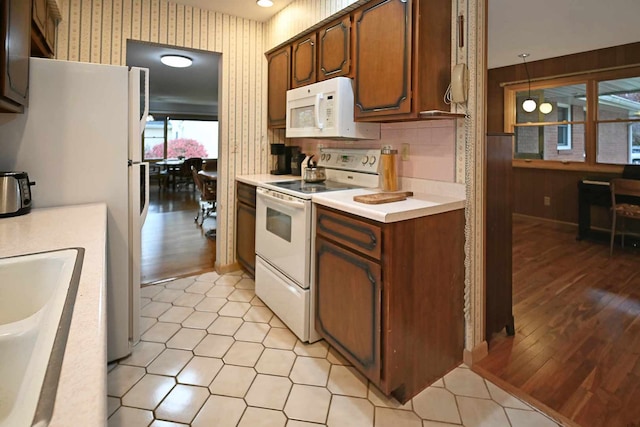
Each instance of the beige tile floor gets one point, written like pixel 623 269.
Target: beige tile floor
pixel 213 355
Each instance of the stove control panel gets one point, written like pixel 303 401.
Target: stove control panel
pixel 360 160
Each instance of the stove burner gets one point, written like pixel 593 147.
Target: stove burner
pixel 312 187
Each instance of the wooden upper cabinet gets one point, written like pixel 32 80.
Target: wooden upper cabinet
pixel 304 61
pixel 382 56
pixel 334 49
pixel 39 15
pixel 43 31
pixel 14 55
pixel 279 66
pixel 402 58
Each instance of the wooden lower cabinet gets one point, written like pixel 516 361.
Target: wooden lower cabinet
pixel 389 296
pixel 354 329
pixel 246 227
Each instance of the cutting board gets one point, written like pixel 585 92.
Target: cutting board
pixel 377 198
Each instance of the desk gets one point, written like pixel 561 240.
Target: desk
pixel 590 193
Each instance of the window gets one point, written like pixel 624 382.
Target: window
pixel 564 130
pixel 172 138
pixel 554 133
pixel 591 119
pixel 618 120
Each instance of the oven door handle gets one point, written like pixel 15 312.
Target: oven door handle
pixel 291 203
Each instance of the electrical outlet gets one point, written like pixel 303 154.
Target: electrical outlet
pixel 404 151
pixel 320 146
pixel 547 200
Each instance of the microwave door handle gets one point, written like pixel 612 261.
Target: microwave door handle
pixel 319 97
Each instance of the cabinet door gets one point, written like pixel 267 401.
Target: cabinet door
pixel 246 237
pixel 43 30
pixel 348 305
pixel 382 56
pixel 246 226
pixel 279 66
pixel 334 49
pixel 14 58
pixel 50 32
pixel 39 15
pixel 304 61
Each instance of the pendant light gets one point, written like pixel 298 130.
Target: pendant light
pixel 546 107
pixel 529 104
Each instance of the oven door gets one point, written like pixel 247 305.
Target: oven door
pixel 283 233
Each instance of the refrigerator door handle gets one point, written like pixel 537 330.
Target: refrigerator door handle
pixel 144 208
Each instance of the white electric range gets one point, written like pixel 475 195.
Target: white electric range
pixel 284 234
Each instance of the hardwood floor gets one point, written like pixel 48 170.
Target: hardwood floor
pixel 173 245
pixel 577 316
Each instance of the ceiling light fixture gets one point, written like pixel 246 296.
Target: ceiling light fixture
pixel 529 104
pixel 264 3
pixel 176 61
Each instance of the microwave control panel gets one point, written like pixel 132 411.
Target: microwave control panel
pixel 329 111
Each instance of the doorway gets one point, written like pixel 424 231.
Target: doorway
pixel 182 130
pixel 575 351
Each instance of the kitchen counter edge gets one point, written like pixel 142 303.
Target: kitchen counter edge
pixel 258 179
pixel 419 205
pixel 82 388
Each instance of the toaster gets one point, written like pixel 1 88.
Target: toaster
pixel 15 194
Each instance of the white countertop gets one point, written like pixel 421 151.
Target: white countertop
pixel 82 389
pixel 430 197
pixel 421 204
pixel 262 178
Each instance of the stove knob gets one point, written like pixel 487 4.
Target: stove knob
pixel 328 157
pixel 365 159
pixel 372 160
pixel 322 156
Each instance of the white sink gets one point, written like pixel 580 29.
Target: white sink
pixel 37 292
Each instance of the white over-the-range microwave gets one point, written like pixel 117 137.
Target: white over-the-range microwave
pixel 326 110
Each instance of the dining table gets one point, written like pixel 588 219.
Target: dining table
pixel 172 166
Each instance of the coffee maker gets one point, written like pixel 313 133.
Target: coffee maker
pixel 280 159
pixel 296 161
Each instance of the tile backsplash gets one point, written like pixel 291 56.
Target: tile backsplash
pixel 432 149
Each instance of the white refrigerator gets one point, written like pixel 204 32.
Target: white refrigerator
pixel 79 139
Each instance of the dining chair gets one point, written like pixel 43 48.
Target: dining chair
pixel 207 202
pixel 627 208
pixel 184 176
pixel 159 174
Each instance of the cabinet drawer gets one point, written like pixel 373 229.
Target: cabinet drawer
pixel 350 232
pixel 246 194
